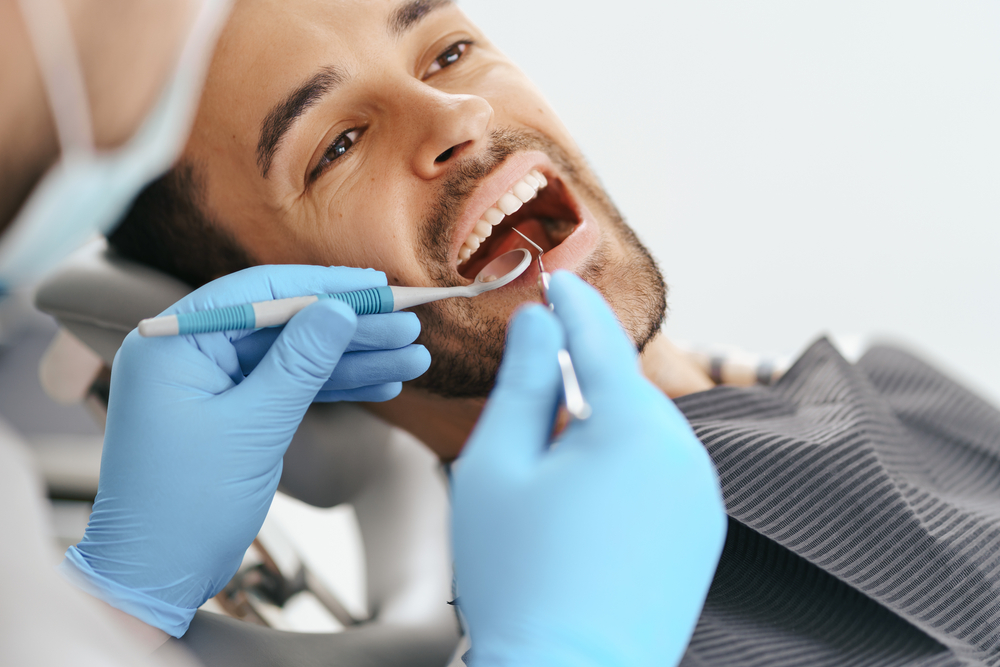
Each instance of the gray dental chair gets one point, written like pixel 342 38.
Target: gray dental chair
pixel 340 454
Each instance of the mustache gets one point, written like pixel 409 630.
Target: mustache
pixel 463 181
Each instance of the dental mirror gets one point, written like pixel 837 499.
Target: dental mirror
pixel 501 271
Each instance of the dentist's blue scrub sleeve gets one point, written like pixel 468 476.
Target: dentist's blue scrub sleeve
pixel 598 550
pixel 197 427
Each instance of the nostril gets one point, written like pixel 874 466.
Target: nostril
pixel 444 157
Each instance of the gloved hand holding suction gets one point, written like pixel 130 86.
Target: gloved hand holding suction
pixel 185 487
pixel 598 550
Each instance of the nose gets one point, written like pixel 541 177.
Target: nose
pixel 449 127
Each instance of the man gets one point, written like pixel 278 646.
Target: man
pixel 193 446
pixel 362 146
pixel 864 519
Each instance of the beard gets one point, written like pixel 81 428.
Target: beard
pixel 466 337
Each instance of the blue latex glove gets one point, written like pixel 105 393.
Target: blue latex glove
pixel 600 550
pixel 193 449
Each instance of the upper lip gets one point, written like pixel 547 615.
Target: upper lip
pixel 492 188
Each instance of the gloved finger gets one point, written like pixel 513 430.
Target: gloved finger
pixel 374 332
pixel 603 355
pixel 371 394
pixel 515 426
pixel 360 369
pixel 251 348
pixel 300 360
pixel 389 331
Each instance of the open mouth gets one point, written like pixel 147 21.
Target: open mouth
pixel 538 206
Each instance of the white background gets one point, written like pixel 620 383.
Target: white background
pixel 796 167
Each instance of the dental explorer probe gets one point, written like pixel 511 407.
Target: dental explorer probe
pixel 375 300
pixel 576 404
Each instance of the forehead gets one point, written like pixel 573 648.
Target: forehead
pixel 281 33
pixel 269 46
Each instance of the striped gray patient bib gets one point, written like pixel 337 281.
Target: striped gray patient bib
pixel 864 505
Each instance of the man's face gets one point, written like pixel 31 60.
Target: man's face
pixel 391 134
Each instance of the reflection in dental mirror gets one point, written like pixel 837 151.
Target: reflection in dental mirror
pixel 504 268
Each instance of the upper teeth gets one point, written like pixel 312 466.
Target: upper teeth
pixel 519 194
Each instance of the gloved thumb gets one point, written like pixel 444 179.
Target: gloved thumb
pixel 516 425
pixel 301 359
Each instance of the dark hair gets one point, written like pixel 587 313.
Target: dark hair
pixel 169 229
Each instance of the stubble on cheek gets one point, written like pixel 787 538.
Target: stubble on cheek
pixel 466 346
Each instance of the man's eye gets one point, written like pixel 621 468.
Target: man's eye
pixel 339 147
pixel 451 56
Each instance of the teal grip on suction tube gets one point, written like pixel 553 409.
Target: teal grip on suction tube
pixel 371 301
pixel 218 319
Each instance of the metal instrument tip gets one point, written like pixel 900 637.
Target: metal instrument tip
pixel 541 267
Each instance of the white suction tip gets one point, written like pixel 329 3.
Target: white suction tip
pixel 159 326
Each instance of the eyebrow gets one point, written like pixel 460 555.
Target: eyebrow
pixel 409 14
pixel 280 119
pixel 283 115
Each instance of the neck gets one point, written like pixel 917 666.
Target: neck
pixel 27 132
pixel 126 51
pixel 444 424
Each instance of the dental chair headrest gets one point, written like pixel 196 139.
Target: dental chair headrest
pixel 100 296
